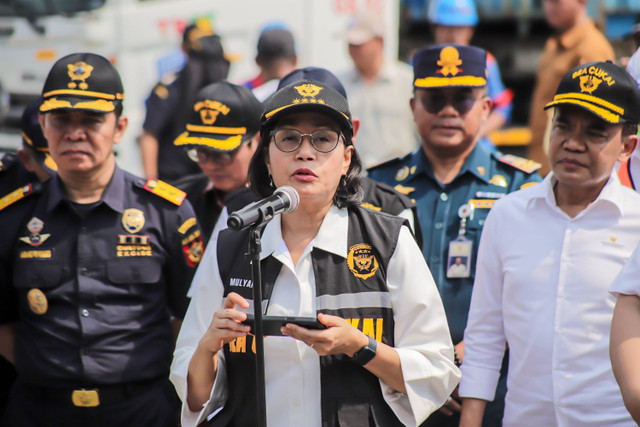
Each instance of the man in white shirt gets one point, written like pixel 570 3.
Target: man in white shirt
pixel 379 91
pixel 547 256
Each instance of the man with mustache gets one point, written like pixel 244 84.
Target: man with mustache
pixel 453 179
pixel 547 257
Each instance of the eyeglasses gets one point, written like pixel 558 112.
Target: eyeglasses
pixel 434 101
pixel 203 156
pixel 289 140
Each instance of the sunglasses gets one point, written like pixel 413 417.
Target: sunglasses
pixel 203 156
pixel 434 101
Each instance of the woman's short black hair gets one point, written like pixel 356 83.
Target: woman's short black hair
pixel 348 193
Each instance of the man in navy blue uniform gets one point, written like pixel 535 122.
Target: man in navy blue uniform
pixel 94 262
pixel 454 182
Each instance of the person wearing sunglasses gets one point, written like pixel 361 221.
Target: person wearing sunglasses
pixel 454 181
pixel 382 356
pixel 220 137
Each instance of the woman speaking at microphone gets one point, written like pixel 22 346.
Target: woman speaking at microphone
pixel 383 356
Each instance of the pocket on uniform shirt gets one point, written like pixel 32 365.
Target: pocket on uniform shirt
pixel 37 274
pixel 134 270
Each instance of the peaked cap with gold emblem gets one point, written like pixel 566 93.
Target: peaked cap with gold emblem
pixel 449 65
pixel 222 117
pixel 603 89
pixel 307 95
pixel 82 81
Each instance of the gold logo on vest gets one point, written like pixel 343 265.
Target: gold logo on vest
pixel 361 261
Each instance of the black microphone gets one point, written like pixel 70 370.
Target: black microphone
pixel 283 200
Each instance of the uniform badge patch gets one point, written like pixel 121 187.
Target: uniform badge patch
pixel 37 301
pixel 361 261
pixel 133 220
pixel 80 71
pixel 35 226
pixel 402 173
pixel 193 251
pixel 498 180
pixel 404 190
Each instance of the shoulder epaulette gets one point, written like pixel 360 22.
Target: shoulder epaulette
pixel 15 196
pixel 520 163
pixel 385 163
pixel 166 191
pixel 161 91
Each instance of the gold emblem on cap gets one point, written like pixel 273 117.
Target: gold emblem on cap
pixel 308 90
pixel 133 220
pixel 80 71
pixel 361 261
pixel 589 83
pixel 209 110
pixel 449 61
pixel 37 301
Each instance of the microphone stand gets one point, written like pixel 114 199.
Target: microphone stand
pixel 256 276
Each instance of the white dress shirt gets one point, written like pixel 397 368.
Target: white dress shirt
pixel 541 287
pixel 628 281
pixel 292 369
pixel 387 129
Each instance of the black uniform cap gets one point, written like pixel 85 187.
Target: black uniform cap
pixel 307 95
pixel 603 89
pixel 82 81
pixel 449 65
pixel 33 138
pixel 224 115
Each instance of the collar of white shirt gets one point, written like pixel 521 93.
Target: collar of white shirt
pixel 330 237
pixel 611 194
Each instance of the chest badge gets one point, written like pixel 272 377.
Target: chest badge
pixel 35 226
pixel 498 180
pixel 361 261
pixel 133 220
pixel 37 301
pixel 402 173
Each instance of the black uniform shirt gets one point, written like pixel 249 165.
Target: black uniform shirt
pixel 91 295
pixel 161 121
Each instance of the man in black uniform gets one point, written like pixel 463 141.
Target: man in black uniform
pixel 32 162
pixel 221 136
pixel 169 107
pixel 94 262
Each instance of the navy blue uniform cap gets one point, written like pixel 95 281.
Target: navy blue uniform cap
pixel 449 65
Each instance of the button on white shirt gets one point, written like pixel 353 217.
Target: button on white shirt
pixel 292 369
pixel 541 286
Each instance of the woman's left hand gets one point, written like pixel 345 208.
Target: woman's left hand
pixel 340 337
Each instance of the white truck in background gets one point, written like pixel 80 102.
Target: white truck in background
pixel 142 38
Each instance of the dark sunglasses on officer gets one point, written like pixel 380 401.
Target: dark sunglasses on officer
pixel 202 155
pixel 461 99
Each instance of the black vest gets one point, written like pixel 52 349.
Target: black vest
pixel 355 290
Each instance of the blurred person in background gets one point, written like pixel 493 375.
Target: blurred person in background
pixel 454 21
pixel 379 91
pixel 31 164
pixel 276 58
pixel 169 106
pixel 576 41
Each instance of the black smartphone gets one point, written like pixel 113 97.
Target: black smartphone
pixel 271 324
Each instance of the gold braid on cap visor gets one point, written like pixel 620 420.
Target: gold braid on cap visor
pixel 98 105
pixel 588 101
pixel 228 144
pixel 450 81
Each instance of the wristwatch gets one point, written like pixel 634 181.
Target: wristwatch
pixel 366 353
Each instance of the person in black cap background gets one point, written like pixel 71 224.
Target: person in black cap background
pixel 169 106
pixel 221 136
pixel 548 257
pixel 376 195
pixel 32 162
pixel 276 58
pixel 390 363
pixel 94 263
pixel 454 182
